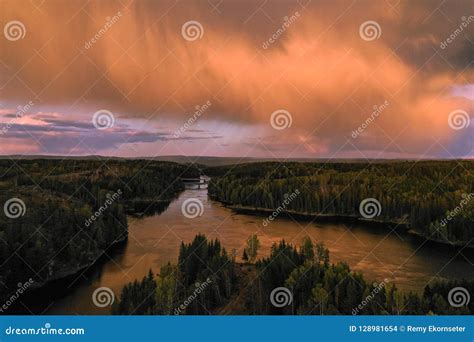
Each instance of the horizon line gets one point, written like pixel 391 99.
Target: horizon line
pixel 47 156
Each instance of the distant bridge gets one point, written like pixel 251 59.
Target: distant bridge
pixel 196 180
pixel 203 180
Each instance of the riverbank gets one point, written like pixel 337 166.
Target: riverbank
pixel 327 218
pixel 135 208
pixel 71 272
pixel 138 208
pixel 60 283
pixel 330 218
pixel 146 207
pixel 455 244
pixel 154 241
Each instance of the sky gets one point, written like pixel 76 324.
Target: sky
pixel 237 78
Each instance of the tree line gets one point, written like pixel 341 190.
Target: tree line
pixel 421 195
pixel 73 211
pixel 178 289
pixel 313 286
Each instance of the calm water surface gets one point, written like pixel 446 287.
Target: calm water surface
pixel 154 241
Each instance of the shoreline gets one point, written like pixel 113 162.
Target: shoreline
pixel 454 244
pixel 399 226
pixel 55 285
pixel 316 217
pixel 146 205
pixel 62 276
pixel 72 272
pixel 130 210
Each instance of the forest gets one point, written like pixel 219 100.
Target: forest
pixel 65 213
pixel 200 262
pixel 311 286
pixel 432 198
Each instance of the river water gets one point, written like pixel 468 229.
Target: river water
pixel 155 240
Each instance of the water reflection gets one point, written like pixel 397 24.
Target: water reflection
pixel 143 208
pixel 155 240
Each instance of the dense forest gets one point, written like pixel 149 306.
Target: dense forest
pixel 308 283
pixel 434 198
pixel 60 215
pixel 204 271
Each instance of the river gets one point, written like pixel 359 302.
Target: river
pixel 154 241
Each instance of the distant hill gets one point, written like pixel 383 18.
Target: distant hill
pixel 204 160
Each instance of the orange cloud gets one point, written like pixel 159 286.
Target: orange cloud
pixel 319 68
